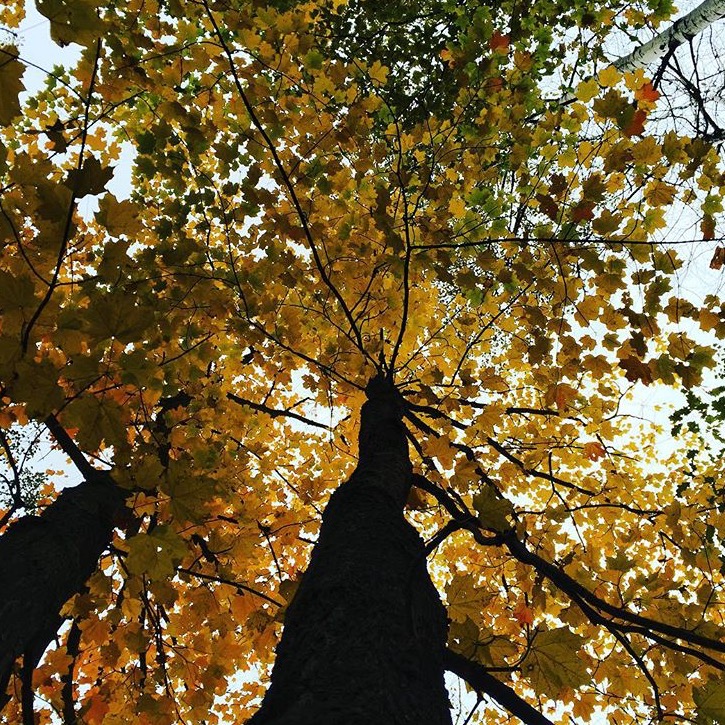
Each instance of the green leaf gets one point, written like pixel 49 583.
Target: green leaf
pixel 710 701
pixel 72 21
pixel 37 386
pixel 98 421
pixel 493 511
pixel 116 316
pixel 190 493
pixel 552 664
pixel 16 291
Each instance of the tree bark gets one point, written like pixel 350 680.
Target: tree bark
pixel 45 560
pixel 681 31
pixel 364 638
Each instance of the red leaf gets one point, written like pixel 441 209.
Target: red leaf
pixel 718 259
pixel 707 227
pixel 583 211
pixel 523 615
pixel 499 43
pixel 635 126
pixel 635 370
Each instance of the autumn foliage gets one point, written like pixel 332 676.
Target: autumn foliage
pixel 464 199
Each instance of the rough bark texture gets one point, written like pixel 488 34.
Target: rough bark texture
pixel 46 559
pixel 364 638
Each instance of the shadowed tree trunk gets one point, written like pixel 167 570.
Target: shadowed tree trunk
pixel 365 635
pixel 45 560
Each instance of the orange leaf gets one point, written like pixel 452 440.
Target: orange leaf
pixel 636 370
pixel 718 259
pixel 594 450
pixel 523 615
pixel 647 93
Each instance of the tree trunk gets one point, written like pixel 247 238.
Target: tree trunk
pixel 365 635
pixel 45 560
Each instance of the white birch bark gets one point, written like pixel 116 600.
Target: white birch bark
pixel 682 30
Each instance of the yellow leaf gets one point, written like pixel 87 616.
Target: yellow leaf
pixel 441 449
pixel 457 207
pixel 609 77
pixel 586 90
pixel 378 72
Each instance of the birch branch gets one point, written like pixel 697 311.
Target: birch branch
pixel 681 31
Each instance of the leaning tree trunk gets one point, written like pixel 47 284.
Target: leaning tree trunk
pixel 364 637
pixel 45 560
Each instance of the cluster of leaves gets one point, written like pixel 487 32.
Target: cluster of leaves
pixel 322 190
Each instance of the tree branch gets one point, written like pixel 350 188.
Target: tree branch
pixel 533 472
pixel 237 585
pixel 682 30
pixel 69 447
pixel 478 677
pixel 276 412
pixel 289 186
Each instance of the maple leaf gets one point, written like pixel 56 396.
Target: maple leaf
pixel 707 226
pixel 494 512
pixel 594 450
pixel 718 258
pixel 499 43
pixel 523 614
pixel 710 701
pixel 466 600
pixel 647 92
pixel 91 178
pixel 636 370
pixel 553 664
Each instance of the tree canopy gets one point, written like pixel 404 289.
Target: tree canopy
pixel 469 199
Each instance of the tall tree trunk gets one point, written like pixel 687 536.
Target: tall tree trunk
pixel 365 635
pixel 45 560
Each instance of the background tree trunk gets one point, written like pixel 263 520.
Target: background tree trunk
pixel 45 560
pixel 365 635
